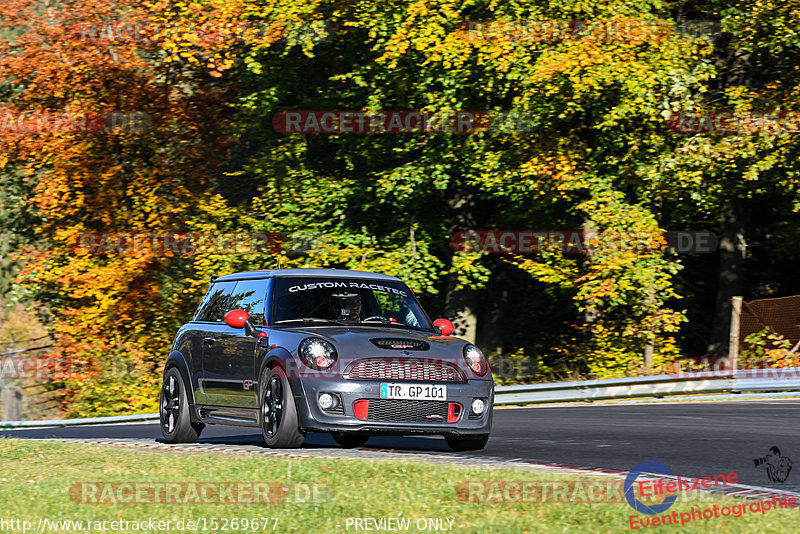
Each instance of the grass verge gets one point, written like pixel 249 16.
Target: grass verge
pixel 50 479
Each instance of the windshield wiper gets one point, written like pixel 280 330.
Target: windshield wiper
pixel 392 323
pixel 309 320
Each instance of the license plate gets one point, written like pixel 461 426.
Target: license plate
pixel 413 391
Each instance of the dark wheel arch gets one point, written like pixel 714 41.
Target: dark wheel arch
pixel 175 411
pixel 282 358
pixel 177 359
pixel 277 410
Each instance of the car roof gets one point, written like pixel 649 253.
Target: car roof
pixel 322 273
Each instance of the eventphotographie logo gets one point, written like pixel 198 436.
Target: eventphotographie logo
pixel 630 481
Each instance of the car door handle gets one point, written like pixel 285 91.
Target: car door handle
pixel 209 340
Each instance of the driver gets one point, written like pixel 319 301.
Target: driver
pixel 348 306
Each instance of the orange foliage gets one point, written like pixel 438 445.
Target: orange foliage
pixel 145 176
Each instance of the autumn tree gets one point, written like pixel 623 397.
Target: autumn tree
pixel 114 137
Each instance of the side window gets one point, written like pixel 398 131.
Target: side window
pixel 249 295
pixel 215 303
pixel 203 303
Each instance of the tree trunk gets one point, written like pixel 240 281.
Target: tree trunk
pixel 732 249
pixel 12 404
pixel 590 312
pixel 493 307
pixel 461 305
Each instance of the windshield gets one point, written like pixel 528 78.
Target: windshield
pixel 347 301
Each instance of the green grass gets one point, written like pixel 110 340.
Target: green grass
pixel 36 478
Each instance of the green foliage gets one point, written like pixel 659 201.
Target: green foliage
pixel 767 348
pixel 612 351
pixel 123 387
pixel 595 153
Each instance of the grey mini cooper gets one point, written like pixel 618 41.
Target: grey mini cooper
pixel 317 350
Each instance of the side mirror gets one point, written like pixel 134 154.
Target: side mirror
pixel 240 319
pixel 444 327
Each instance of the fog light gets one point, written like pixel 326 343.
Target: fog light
pixel 478 406
pixel 326 401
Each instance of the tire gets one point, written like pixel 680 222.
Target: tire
pixel 278 412
pixel 349 440
pixel 467 443
pixel 176 423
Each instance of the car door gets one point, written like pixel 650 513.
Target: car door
pixel 229 353
pixel 206 329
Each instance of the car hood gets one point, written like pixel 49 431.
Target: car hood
pixel 355 342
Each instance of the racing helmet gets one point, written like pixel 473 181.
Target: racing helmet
pixel 347 305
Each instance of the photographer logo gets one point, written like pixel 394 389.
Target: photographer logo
pixel 777 466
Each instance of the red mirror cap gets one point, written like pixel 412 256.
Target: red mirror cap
pixel 236 318
pixel 445 326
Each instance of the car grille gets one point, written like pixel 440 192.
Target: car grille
pixel 405 369
pixel 339 410
pixel 407 411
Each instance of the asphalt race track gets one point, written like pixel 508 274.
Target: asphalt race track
pixel 693 439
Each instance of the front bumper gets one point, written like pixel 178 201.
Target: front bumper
pixel 313 418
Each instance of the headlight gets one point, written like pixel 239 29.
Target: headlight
pixel 475 360
pixel 317 353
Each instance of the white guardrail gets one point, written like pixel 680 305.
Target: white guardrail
pixel 749 380
pixel 55 423
pixel 707 382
